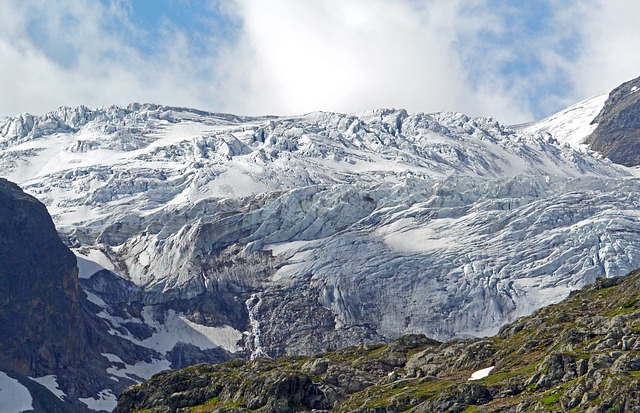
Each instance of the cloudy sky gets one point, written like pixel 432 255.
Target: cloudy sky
pixel 511 59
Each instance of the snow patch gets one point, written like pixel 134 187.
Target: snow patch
pixel 92 261
pixel 105 400
pixel 51 383
pixel 14 397
pixel 112 358
pixel 235 183
pixel 141 370
pixel 481 374
pixel 282 247
pixel 178 329
pixel 573 124
pixel 539 293
pixel 406 235
pixel 97 301
pixel 287 271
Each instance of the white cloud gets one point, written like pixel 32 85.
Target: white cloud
pixel 610 32
pixel 72 52
pixel 349 56
pixel 293 57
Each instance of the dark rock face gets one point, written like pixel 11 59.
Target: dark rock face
pixel 40 315
pixel 47 326
pixel 618 133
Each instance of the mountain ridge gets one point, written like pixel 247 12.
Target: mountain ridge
pixel 605 123
pixel 617 135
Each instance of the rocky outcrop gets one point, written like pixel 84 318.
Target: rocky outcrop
pixel 582 354
pixel 48 328
pixel 40 315
pixel 617 135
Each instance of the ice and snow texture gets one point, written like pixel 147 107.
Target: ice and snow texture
pixel 573 124
pixel 14 397
pixel 434 223
pixel 93 167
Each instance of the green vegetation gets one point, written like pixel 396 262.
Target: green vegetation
pixel 552 399
pixel 215 404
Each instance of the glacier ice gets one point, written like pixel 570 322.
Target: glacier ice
pixel 321 230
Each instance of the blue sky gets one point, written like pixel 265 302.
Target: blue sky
pixel 200 20
pixel 509 59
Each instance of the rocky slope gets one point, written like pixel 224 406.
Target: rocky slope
pixel 617 135
pixel 607 123
pixel 582 354
pixel 40 312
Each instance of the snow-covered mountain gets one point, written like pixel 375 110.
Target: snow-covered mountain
pixel 607 123
pixel 206 236
pixel 572 125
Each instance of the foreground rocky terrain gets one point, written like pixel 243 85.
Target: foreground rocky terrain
pixel 582 354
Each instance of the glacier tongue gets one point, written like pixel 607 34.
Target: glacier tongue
pixel 325 229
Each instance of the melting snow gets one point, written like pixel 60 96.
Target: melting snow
pixel 14 397
pixel 252 305
pixel 51 383
pixel 140 370
pixel 104 401
pixel 481 374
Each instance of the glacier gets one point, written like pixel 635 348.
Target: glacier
pixel 231 236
